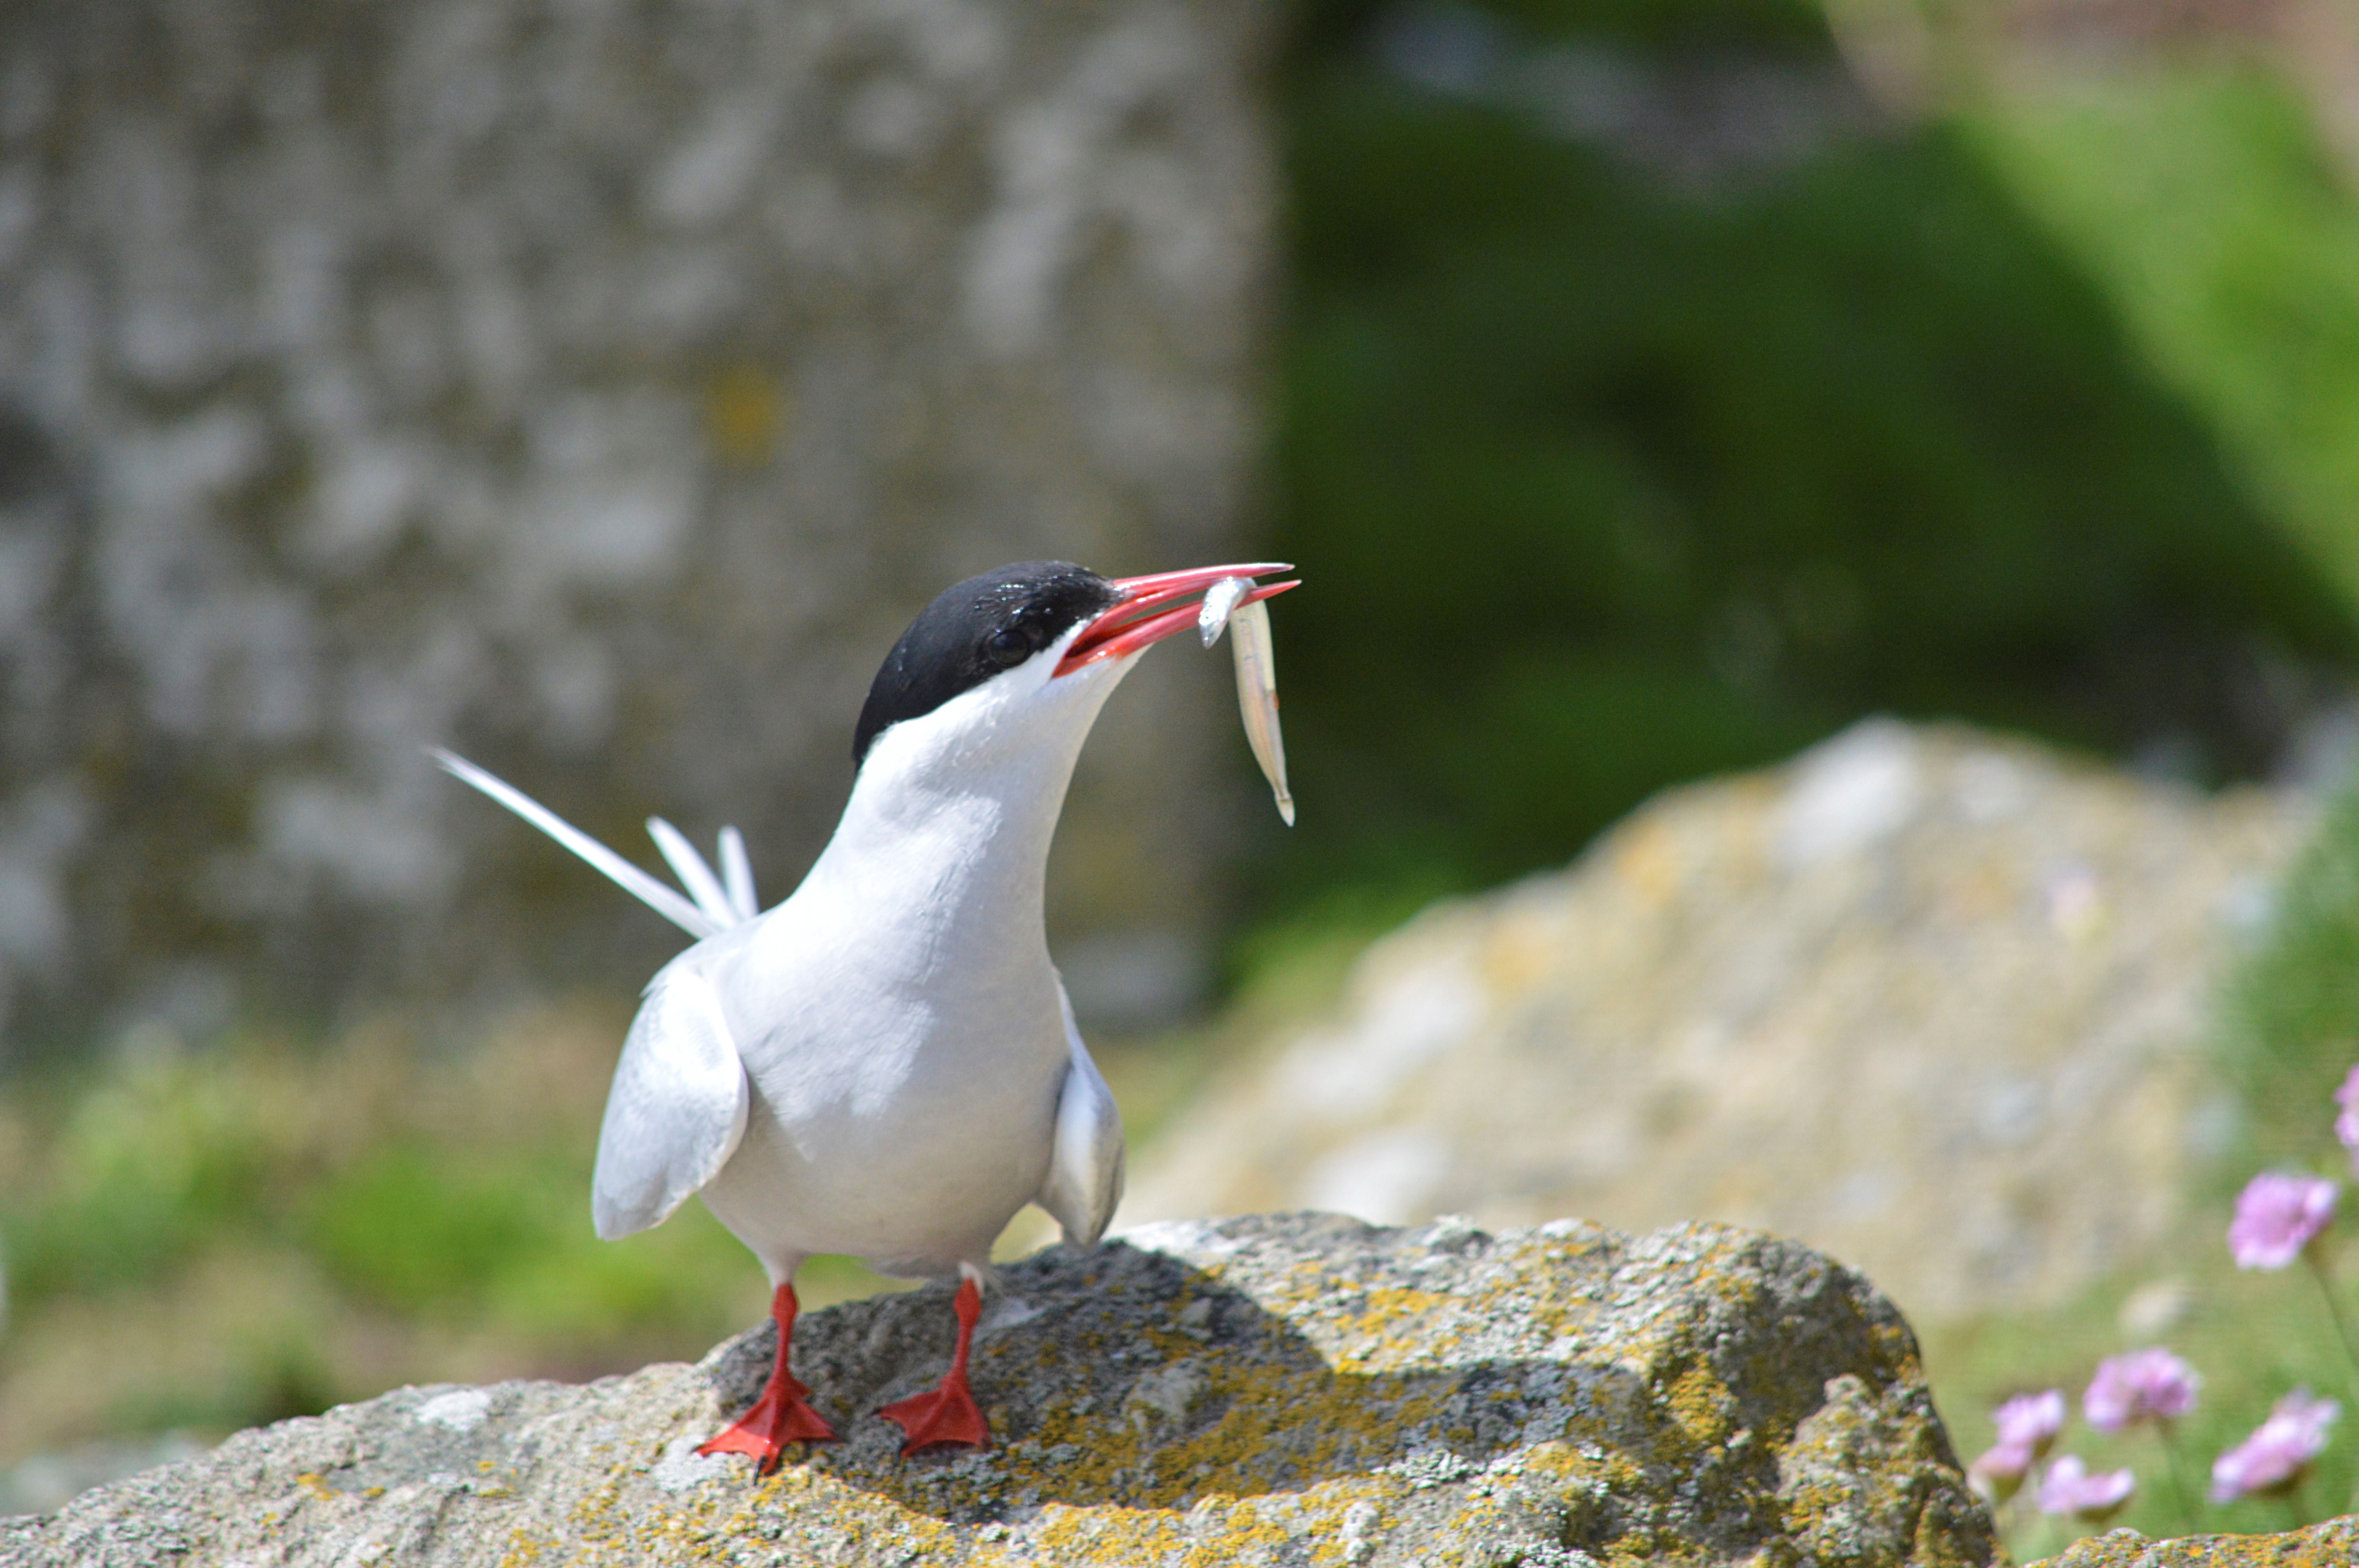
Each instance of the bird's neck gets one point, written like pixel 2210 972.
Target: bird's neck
pixel 954 844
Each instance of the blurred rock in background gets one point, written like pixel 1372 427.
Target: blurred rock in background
pixel 1932 1002
pixel 597 390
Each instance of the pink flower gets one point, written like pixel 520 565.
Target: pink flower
pixel 2029 1423
pixel 1998 1474
pixel 2144 1385
pixel 2279 1450
pixel 2346 1126
pixel 2069 1488
pixel 2026 1425
pixel 2275 1216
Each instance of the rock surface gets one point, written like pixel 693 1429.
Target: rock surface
pixel 2334 1544
pixel 1929 1001
pixel 599 389
pixel 49 1481
pixel 1300 1389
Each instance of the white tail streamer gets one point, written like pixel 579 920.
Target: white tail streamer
pixel 737 874
pixel 695 873
pixel 712 905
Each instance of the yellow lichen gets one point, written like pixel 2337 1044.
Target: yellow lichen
pixel 1564 1385
pixel 1701 1406
pixel 523 1550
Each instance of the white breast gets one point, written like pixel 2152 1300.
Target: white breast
pixel 896 1116
pixel 902 1028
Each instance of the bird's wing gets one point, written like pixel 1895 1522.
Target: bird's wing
pixel 1085 1159
pixel 677 1109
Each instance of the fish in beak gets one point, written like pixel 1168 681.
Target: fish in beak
pixel 1167 603
pixel 1153 608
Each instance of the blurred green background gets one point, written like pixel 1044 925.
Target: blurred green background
pixel 1620 469
pixel 1653 398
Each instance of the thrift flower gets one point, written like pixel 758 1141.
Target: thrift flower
pixel 2279 1450
pixel 1998 1474
pixel 2346 1126
pixel 2026 1425
pixel 2031 1421
pixel 2069 1488
pixel 2276 1214
pixel 2144 1385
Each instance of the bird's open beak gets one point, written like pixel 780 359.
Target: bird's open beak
pixel 1153 608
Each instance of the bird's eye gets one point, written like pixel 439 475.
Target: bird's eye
pixel 1007 647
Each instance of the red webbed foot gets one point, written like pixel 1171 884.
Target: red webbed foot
pixel 779 1417
pixel 948 1413
pixel 782 1414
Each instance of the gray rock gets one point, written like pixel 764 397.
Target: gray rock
pixel 598 388
pixel 1274 1390
pixel 1931 1001
pixel 47 1481
pixel 2332 1544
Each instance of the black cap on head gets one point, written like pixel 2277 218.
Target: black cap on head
pixel 972 631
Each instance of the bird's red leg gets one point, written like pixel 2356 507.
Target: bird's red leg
pixel 949 1413
pixel 780 1416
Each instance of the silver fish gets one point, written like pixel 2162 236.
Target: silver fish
pixel 1257 695
pixel 1220 603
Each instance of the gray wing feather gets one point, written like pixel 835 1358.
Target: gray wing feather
pixel 1085 1161
pixel 677 1109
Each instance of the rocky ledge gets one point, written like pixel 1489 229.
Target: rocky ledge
pixel 2334 1544
pixel 1293 1389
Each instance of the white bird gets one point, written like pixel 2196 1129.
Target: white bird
pixel 886 1064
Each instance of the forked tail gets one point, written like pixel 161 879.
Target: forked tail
pixel 713 903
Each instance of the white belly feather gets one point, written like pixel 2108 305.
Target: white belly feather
pixel 907 1138
pixel 902 1064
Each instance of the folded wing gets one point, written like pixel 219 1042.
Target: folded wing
pixel 677 1109
pixel 1085 1162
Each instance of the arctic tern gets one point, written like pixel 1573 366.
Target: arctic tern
pixel 885 1065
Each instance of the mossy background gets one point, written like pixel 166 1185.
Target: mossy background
pixel 2038 407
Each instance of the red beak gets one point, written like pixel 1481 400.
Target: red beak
pixel 1153 608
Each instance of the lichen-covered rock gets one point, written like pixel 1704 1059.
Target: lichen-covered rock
pixel 1296 1389
pixel 1929 1000
pixel 2334 1544
pixel 599 389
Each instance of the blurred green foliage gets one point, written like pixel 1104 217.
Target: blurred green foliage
pixel 151 1159
pixel 2290 1015
pixel 1325 31
pixel 1606 479
pixel 317 1223
pixel 2227 244
pixel 501 1237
